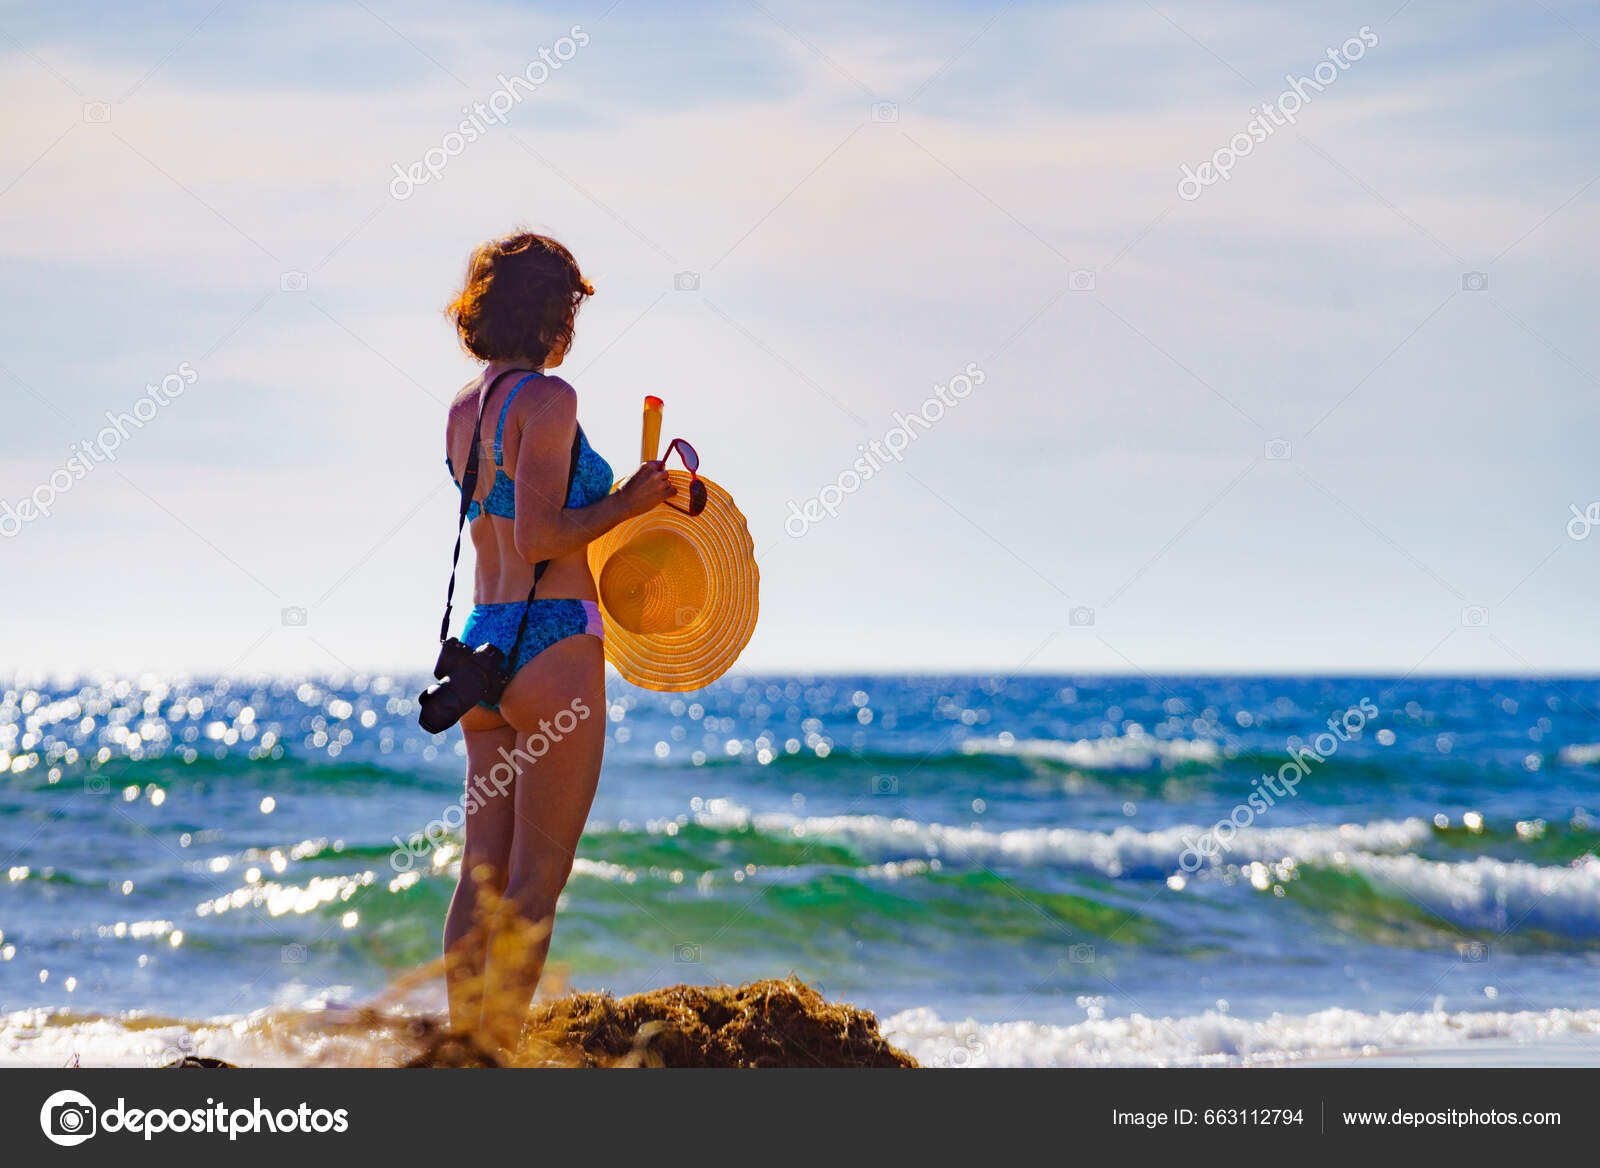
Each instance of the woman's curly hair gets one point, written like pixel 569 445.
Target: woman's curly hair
pixel 520 299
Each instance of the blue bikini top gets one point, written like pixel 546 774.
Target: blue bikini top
pixel 590 483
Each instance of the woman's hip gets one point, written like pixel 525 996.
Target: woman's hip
pixel 549 622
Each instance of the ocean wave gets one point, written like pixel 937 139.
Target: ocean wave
pixel 309 1035
pixel 1482 893
pixel 1580 754
pixel 1129 752
pixel 1496 895
pixel 1216 1039
pixel 279 1036
pixel 1123 851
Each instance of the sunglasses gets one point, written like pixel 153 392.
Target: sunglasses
pixel 691 463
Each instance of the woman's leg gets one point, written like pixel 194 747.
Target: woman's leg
pixel 557 705
pixel 485 861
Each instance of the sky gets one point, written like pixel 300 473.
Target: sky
pixel 1334 412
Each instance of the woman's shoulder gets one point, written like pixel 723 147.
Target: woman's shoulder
pixel 465 402
pixel 458 421
pixel 548 398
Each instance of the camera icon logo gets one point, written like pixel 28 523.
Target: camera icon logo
pixel 68 1118
pixel 1474 281
pixel 294 617
pixel 1279 450
pixel 1474 951
pixel 884 112
pixel 686 282
pixel 292 954
pixel 885 784
pixel 686 954
pixel 95 785
pixel 96 112
pixel 292 282
pixel 1081 280
pixel 1081 617
pixel 1475 616
pixel 1081 954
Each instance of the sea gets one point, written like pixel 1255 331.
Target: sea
pixel 1008 871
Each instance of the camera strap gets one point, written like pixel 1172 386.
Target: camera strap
pixel 469 487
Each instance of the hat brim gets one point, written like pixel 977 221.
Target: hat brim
pixel 704 640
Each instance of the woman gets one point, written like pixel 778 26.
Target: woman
pixel 516 314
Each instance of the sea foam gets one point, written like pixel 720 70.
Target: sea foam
pixel 1216 1039
pixel 1129 752
pixel 1123 851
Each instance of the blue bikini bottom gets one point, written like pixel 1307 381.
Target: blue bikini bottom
pixel 549 621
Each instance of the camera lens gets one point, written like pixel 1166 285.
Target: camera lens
pixel 466 677
pixel 442 705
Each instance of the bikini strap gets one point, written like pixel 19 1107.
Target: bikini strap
pixel 500 430
pixel 469 487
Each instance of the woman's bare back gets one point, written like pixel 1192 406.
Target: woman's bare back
pixel 502 574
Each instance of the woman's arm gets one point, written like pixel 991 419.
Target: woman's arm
pixel 545 529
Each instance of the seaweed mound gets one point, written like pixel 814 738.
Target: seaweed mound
pixel 767 1023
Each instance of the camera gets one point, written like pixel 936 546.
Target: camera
pixel 1081 617
pixel 1474 281
pixel 466 677
pixel 686 281
pixel 72 1119
pixel 1081 280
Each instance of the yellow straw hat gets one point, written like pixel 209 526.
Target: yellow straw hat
pixel 678 594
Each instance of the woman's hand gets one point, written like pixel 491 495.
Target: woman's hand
pixel 646 487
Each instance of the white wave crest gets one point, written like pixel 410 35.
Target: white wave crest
pixel 285 1037
pixel 1214 1039
pixel 1581 754
pixel 1121 851
pixel 1498 895
pixel 1131 752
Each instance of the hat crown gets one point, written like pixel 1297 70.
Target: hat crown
pixel 678 593
pixel 655 583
